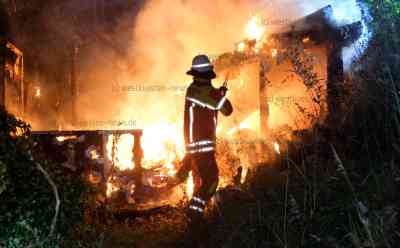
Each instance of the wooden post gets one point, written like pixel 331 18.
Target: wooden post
pixel 335 87
pixel 138 171
pixel 73 84
pixel 2 73
pixel 263 98
pixel 23 87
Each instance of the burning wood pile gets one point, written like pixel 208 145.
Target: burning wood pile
pixel 115 162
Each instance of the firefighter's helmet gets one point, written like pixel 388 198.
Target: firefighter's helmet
pixel 202 67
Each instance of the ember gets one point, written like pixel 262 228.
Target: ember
pixel 277 148
pixel 37 92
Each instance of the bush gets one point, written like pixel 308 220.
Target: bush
pixel 27 199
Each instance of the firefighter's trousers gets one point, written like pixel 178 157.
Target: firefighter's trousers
pixel 205 175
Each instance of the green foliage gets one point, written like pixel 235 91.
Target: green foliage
pixel 27 201
pixel 11 144
pixel 3 177
pixel 374 118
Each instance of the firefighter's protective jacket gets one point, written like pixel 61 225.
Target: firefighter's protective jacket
pixel 202 104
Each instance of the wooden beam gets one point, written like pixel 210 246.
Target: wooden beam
pixel 2 72
pixel 335 80
pixel 320 20
pixel 263 98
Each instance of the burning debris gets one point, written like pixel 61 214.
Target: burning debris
pixel 115 161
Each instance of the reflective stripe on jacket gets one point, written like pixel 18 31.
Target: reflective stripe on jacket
pixel 202 104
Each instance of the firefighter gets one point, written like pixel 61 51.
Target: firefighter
pixel 202 104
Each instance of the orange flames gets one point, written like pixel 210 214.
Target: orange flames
pixel 64 138
pixel 190 185
pixel 255 28
pixel 119 150
pixel 37 92
pixel 241 46
pixel 111 188
pixel 277 148
pixel 255 32
pixel 162 144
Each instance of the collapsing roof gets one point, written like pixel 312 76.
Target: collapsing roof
pixel 320 26
pixel 318 29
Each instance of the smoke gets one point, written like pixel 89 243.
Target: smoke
pixel 169 33
pixel 145 83
pixel 136 72
pixel 345 12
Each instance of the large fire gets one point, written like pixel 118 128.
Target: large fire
pixel 162 142
pixel 162 146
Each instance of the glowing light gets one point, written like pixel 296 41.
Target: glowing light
pixel 241 46
pixel 190 185
pixel 244 174
pixel 64 138
pixel 37 92
pixel 250 122
pixel 162 142
pixel 255 28
pixel 306 39
pixel 123 156
pixel 274 52
pixel 277 148
pixel 111 188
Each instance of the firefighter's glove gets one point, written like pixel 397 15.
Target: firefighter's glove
pixel 223 90
pixel 172 182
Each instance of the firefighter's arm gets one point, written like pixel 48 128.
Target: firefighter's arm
pixel 211 98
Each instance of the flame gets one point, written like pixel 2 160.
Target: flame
pixel 251 122
pixel 244 174
pixel 274 52
pixel 94 155
pixel 241 46
pixel 111 188
pixel 255 28
pixel 190 185
pixel 37 92
pixel 123 156
pixel 171 170
pixel 277 148
pixel 162 142
pixel 306 39
pixel 64 138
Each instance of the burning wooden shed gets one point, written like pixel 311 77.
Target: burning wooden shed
pixel 309 51
pixel 306 55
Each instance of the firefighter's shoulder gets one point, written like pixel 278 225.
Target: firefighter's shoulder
pixel 197 91
pixel 204 95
